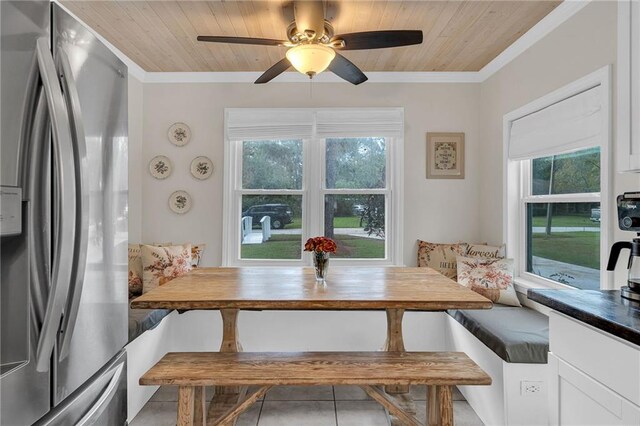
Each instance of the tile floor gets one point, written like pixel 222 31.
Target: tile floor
pixel 306 406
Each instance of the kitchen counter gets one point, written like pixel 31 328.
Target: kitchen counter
pixel 602 309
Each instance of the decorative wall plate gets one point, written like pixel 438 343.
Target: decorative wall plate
pixel 180 202
pixel 160 167
pixel 201 168
pixel 179 134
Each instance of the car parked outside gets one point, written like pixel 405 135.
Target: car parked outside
pixel 357 209
pixel 280 214
pixel 595 215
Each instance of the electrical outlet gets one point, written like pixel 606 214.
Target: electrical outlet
pixel 529 388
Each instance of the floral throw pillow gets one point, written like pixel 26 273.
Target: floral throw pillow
pixel 492 278
pixel 162 264
pixel 441 257
pixel 197 250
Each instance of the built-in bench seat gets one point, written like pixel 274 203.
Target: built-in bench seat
pixel 191 371
pixel 141 320
pixel 515 334
pixel 511 344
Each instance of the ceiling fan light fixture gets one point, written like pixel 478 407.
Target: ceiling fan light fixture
pixel 310 59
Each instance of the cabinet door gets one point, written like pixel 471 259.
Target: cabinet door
pixel 577 399
pixel 628 115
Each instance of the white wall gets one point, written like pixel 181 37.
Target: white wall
pixel 583 44
pixel 435 210
pixel 135 159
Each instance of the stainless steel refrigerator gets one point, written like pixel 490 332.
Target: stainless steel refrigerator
pixel 63 221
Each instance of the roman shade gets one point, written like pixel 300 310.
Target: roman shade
pixel 272 123
pixel 308 123
pixel 573 123
pixel 359 122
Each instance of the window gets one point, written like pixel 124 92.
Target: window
pixel 326 172
pixel 557 186
pixel 562 205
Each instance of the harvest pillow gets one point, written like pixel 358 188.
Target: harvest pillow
pixel 162 264
pixel 485 251
pixel 441 257
pixel 492 278
pixel 135 270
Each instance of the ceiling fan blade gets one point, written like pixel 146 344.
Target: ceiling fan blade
pixel 345 69
pixel 309 16
pixel 378 39
pixel 277 69
pixel 243 40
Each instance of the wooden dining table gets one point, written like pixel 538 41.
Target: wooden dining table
pixel 392 289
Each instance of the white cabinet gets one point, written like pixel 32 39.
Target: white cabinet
pixel 578 399
pixel 628 111
pixel 594 376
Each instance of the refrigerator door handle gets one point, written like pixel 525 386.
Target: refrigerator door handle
pixel 64 205
pixel 105 398
pixel 82 202
pixel 38 189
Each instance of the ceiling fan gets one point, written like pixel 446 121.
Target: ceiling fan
pixel 313 45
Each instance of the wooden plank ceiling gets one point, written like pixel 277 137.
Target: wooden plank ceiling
pixel 161 35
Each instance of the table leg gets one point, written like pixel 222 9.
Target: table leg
pixel 225 398
pixel 395 343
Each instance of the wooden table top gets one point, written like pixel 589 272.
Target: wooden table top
pixel 294 288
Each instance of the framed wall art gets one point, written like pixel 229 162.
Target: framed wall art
pixel 445 155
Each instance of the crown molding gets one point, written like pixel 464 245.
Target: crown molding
pixel 553 20
pixel 296 77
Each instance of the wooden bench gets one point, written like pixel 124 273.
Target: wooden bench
pixel 192 371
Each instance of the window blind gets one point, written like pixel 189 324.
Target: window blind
pixel 570 124
pixel 359 122
pixel 273 123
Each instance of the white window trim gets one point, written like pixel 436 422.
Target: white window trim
pixel 312 208
pixel 514 233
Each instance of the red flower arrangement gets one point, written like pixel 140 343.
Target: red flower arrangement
pixel 320 245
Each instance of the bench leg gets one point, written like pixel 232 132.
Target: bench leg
pixel 446 405
pixel 185 405
pixel 433 415
pixel 199 406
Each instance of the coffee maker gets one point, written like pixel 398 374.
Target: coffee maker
pixel 628 220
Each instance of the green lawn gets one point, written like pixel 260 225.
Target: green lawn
pixel 359 247
pixel 278 247
pixel 290 247
pixel 577 248
pixel 565 221
pixel 347 222
pixel 338 222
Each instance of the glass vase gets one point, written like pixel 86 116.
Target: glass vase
pixel 321 265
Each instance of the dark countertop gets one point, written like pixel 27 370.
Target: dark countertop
pixel 602 309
